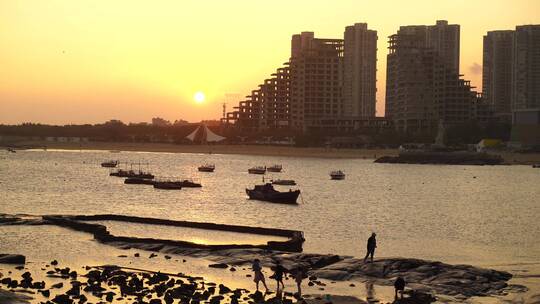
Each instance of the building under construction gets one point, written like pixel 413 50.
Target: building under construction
pixel 327 84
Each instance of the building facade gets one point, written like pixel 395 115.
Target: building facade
pixel 497 72
pixel 526 68
pixel 423 85
pixel 360 70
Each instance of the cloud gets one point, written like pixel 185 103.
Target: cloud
pixel 475 69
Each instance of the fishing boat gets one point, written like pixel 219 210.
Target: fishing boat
pixel 257 170
pixel 167 185
pixel 274 168
pixel 138 181
pixel 207 168
pixel 283 182
pixel 109 164
pixel 187 183
pixel 267 193
pixel 337 175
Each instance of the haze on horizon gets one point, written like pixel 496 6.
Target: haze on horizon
pixel 87 61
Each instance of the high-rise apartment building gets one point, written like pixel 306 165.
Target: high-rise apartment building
pixel 326 84
pixel 497 72
pixel 360 70
pixel 526 67
pixel 423 86
pixel 316 79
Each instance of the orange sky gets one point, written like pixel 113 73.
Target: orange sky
pixel 88 61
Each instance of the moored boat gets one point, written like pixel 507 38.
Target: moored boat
pixel 187 183
pixel 138 181
pixel 257 170
pixel 275 168
pixel 283 182
pixel 207 168
pixel 267 193
pixel 337 175
pixel 167 185
pixel 110 164
pixel 131 173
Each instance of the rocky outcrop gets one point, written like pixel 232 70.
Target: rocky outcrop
pixel 464 280
pixel 442 158
pixel 12 259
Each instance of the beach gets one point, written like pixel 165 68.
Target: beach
pixel 261 150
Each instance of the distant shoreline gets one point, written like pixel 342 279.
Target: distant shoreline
pixel 260 150
pixel 510 158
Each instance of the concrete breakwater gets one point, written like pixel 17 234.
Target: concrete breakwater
pixel 100 232
pixel 442 158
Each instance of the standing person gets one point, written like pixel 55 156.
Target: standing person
pixel 299 275
pixel 371 245
pixel 399 285
pixel 258 275
pixel 278 274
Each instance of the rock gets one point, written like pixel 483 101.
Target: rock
pixel 152 255
pixel 137 255
pixel 122 256
pixel 232 269
pixel 155 301
pixel 12 259
pixel 54 263
pixel 46 293
pixel 57 285
pixel 223 289
pixel 218 265
pixel 167 257
pixel 352 285
pixel 19 267
pixel 62 299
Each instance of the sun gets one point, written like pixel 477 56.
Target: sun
pixel 199 97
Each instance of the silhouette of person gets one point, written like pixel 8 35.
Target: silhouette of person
pixel 371 245
pixel 278 274
pixel 399 285
pixel 258 275
pixel 299 275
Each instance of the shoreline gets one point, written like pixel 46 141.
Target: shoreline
pixel 510 158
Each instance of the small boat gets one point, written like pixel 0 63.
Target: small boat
pixel 283 182
pixel 189 184
pixel 138 181
pixel 167 185
pixel 337 175
pixel 257 170
pixel 274 168
pixel 131 173
pixel 536 166
pixel 207 168
pixel 110 164
pixel 267 193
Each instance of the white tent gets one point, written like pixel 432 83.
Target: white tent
pixel 203 134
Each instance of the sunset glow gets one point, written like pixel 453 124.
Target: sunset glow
pixel 66 61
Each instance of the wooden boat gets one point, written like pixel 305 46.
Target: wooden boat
pixel 337 175
pixel 257 170
pixel 267 193
pixel 207 168
pixel 110 164
pixel 131 173
pixel 283 182
pixel 138 181
pixel 167 185
pixel 274 168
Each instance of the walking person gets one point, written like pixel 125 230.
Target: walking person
pixel 258 276
pixel 371 245
pixel 299 276
pixel 278 274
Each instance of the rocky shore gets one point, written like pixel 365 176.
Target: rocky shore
pixel 423 277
